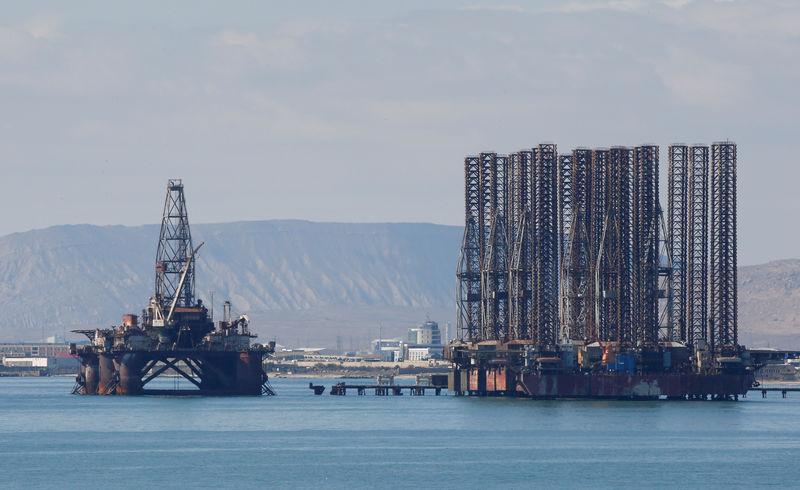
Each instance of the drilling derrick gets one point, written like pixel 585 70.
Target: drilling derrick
pixel 644 286
pixel 174 248
pixel 576 258
pixel 469 268
pixel 546 245
pixel 520 204
pixel 697 249
pixel 724 334
pixel 677 220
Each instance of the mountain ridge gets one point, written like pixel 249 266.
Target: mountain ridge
pixel 79 276
pixel 299 280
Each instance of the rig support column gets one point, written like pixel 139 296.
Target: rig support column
pixel 597 211
pixel 723 247
pixel 521 307
pixel 546 244
pixel 697 248
pixel 645 246
pixel 469 267
pixel 576 257
pixel 495 272
pixel 677 220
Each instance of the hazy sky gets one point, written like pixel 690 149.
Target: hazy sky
pixel 364 111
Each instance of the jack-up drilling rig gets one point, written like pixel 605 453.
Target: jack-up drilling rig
pixel 177 335
pixel 572 283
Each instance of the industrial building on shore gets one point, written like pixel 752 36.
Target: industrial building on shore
pixel 422 343
pixel 37 359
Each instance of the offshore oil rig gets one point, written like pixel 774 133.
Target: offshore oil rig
pixel 176 335
pixel 573 284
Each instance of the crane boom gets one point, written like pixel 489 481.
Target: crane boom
pixel 180 284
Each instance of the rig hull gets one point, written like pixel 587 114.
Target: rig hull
pixel 212 373
pixel 506 382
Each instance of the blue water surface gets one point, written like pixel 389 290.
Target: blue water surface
pixel 51 439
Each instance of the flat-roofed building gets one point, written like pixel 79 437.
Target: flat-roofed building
pixel 426 333
pixel 33 350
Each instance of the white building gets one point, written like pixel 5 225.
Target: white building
pixel 392 354
pixel 419 353
pixel 60 362
pixel 42 362
pixel 427 333
pixel 380 344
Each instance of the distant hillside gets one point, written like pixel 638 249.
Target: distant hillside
pixel 69 277
pixel 301 282
pixel 769 304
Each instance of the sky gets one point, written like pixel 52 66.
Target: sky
pixel 363 111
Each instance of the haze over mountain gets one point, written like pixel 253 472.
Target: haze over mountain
pixel 302 283
pixel 769 304
pixel 342 279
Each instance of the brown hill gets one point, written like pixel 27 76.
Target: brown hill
pixel 769 304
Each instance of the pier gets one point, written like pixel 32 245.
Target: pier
pixel 784 391
pixel 385 386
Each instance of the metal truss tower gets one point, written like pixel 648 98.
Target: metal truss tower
pixel 469 266
pixel 614 261
pixel 645 221
pixel 520 302
pixel 576 258
pixel 677 222
pixel 697 248
pixel 495 271
pixel 564 201
pixel 724 331
pixel 174 249
pixel 599 328
pixel 545 245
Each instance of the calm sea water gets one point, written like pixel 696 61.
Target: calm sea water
pixel 50 439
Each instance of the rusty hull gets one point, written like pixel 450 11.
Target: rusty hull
pixel 215 373
pixel 502 381
pixel 650 386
